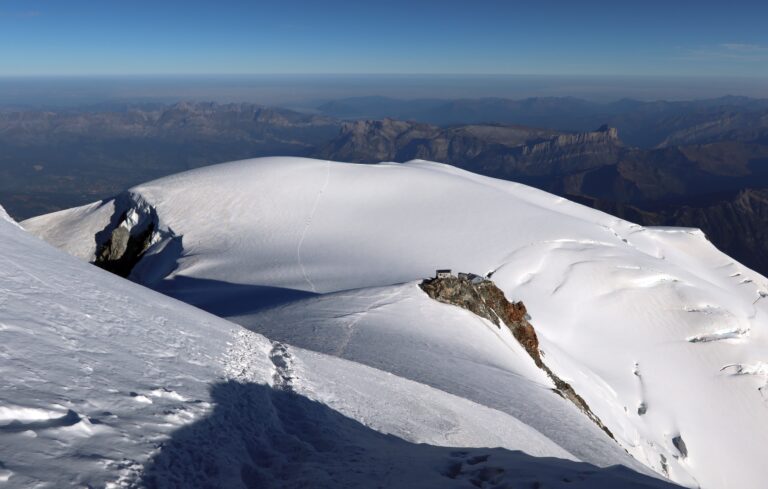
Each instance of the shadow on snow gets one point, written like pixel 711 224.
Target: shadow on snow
pixel 226 299
pixel 259 437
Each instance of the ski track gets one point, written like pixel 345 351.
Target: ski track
pixel 309 223
pixel 351 326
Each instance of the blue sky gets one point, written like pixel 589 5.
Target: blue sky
pixel 75 37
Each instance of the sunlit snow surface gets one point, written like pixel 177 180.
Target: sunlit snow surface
pixel 104 383
pixel 663 336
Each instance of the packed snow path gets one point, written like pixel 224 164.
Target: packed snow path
pixel 308 224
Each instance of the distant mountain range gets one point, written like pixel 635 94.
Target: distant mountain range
pixel 494 150
pixel 595 163
pixel 643 124
pixel 702 164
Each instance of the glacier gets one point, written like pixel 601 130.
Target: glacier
pixel 662 335
pixel 106 383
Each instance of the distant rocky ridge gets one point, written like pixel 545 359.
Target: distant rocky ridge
pixel 644 124
pixel 730 126
pixel 494 150
pixel 178 122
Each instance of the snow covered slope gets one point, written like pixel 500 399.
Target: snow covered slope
pixel 661 334
pixel 104 383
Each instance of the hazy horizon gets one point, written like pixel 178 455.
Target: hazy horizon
pixel 302 52
pixel 306 91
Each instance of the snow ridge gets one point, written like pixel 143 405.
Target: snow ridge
pixel 5 217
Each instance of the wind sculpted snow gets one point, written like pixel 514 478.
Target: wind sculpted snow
pixel 649 325
pixel 104 383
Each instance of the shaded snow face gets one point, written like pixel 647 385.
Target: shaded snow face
pixel 648 325
pixel 275 438
pixel 5 217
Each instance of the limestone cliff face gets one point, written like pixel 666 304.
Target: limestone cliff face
pixel 568 153
pixel 483 298
pixel 604 135
pixel 494 150
pixel 374 141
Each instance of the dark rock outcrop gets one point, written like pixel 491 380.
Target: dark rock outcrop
pixel 123 250
pixel 134 244
pixel 483 298
pixel 680 445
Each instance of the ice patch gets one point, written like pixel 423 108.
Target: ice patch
pixel 140 398
pixel 180 417
pixel 10 413
pixel 13 328
pixel 724 334
pixel 82 429
pixel 704 309
pixel 28 419
pixel 168 394
pixel 654 280
pixel 759 368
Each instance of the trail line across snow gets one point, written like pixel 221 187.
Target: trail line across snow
pixel 309 223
